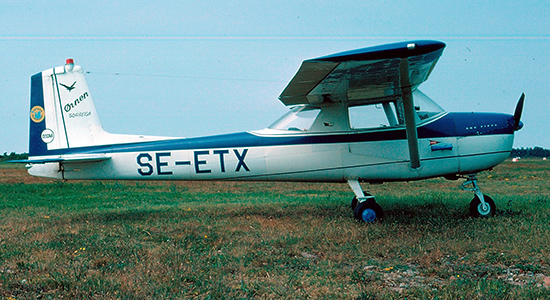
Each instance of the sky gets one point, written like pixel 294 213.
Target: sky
pixel 194 68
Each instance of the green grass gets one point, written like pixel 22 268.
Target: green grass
pixel 248 240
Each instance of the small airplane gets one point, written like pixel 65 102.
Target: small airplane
pixel 355 116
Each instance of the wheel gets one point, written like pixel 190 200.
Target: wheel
pixel 477 209
pixel 368 211
pixel 354 201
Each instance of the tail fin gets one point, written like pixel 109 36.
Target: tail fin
pixel 62 113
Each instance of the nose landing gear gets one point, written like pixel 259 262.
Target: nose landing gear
pixel 482 205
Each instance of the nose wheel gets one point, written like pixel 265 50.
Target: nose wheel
pixel 483 210
pixel 482 206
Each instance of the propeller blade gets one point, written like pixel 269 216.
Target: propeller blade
pixel 518 111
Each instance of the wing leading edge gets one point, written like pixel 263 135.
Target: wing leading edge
pixel 363 74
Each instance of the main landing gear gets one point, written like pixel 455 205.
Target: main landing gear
pixel 482 205
pixel 365 209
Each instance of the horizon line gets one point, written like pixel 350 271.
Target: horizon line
pixel 238 37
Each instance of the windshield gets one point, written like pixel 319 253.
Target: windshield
pixel 425 107
pixel 298 118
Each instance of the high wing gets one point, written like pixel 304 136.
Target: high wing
pixel 363 74
pixel 368 75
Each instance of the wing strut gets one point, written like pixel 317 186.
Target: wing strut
pixel 409 111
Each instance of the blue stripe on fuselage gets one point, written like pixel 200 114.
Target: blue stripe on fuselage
pixel 452 124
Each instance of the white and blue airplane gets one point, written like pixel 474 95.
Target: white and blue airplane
pixel 355 116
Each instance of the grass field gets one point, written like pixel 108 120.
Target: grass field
pixel 256 240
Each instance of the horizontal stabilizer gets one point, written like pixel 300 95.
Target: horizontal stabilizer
pixel 67 158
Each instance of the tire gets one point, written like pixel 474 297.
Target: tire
pixel 368 212
pixel 477 211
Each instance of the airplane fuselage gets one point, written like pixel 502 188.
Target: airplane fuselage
pixel 452 143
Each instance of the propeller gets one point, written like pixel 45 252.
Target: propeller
pixel 517 113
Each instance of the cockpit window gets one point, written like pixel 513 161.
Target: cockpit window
pixel 299 118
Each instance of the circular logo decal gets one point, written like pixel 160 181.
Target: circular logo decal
pixel 47 136
pixel 37 114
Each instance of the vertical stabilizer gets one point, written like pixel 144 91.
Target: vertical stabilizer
pixel 62 113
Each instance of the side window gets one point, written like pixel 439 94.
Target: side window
pixel 377 115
